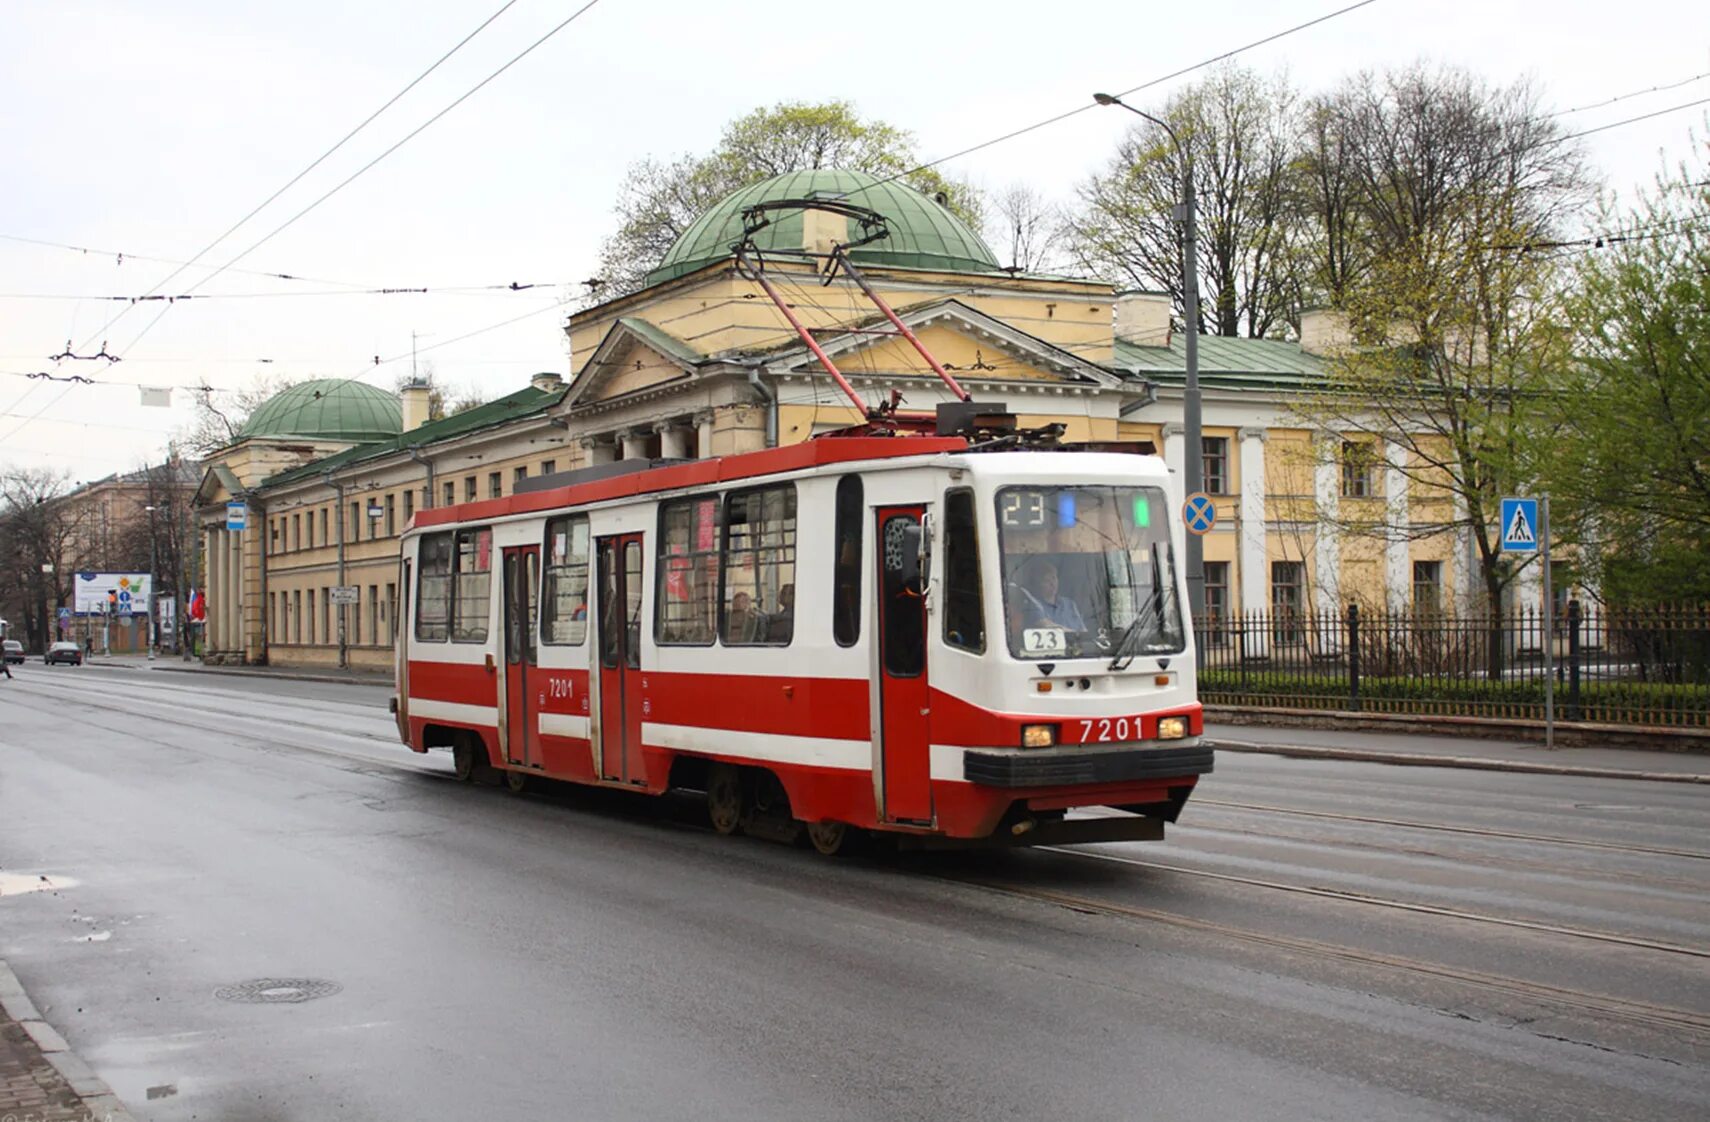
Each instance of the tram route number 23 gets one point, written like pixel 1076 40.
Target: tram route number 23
pixel 1105 730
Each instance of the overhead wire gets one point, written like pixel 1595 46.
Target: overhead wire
pixel 572 18
pixel 1633 94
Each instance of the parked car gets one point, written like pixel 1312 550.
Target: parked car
pixel 64 652
pixel 13 650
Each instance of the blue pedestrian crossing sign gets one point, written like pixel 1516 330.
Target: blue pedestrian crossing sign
pixel 1199 514
pixel 1519 525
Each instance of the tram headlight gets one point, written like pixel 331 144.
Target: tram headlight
pixel 1172 728
pixel 1038 736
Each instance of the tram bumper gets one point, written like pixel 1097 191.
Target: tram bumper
pixel 1076 766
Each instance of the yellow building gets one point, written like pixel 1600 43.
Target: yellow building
pixel 701 362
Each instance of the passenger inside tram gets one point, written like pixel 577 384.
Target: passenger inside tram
pixel 781 622
pixel 742 623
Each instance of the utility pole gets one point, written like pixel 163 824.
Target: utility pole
pixel 338 520
pixel 153 569
pixel 1193 469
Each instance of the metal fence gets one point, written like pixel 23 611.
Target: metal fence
pixel 1636 666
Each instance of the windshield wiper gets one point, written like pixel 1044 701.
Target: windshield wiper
pixel 1123 658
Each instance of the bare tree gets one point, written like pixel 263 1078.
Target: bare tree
pixel 1026 228
pixel 36 555
pixel 1243 131
pixel 220 414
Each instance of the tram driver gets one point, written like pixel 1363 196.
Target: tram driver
pixel 1044 605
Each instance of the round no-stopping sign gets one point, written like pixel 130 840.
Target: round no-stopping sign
pixel 1199 514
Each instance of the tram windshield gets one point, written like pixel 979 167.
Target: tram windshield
pixel 1088 571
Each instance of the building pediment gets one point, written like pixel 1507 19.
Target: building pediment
pixel 219 485
pixel 634 356
pixel 968 343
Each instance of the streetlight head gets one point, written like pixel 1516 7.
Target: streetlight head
pixel 1106 99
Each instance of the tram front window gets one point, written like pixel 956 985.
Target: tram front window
pixel 1088 572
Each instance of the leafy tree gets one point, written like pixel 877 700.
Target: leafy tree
pixel 1631 473
pixel 660 199
pixel 1243 131
pixel 1455 348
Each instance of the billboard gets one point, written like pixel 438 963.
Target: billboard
pixel 130 590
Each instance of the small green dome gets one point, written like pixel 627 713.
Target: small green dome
pixel 327 409
pixel 924 234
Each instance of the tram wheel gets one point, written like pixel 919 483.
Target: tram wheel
pixel 831 838
pixel 463 761
pixel 724 798
pixel 516 782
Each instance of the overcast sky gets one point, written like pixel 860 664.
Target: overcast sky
pixel 149 128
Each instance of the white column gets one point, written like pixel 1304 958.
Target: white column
pixel 221 563
pixel 1468 586
pixel 599 451
pixel 673 441
pixel 234 545
pixel 1255 556
pixel 1327 542
pixel 211 579
pixel 1175 444
pixel 1398 572
pixel 703 434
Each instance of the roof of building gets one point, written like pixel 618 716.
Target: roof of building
pixel 327 409
pixel 1223 361
pixel 923 233
pixel 525 402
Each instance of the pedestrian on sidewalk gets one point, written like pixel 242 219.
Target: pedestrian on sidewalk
pixel 6 667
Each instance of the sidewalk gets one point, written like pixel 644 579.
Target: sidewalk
pixel 174 664
pixel 1410 749
pixel 41 1079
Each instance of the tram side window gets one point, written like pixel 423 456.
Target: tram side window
pixel 760 567
pixel 686 601
pixel 472 580
pixel 964 611
pixel 564 599
pixel 433 593
pixel 846 568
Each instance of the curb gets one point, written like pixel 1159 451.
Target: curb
pixel 1477 763
pixel 98 1098
pixel 278 676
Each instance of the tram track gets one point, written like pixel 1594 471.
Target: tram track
pixel 1664 1017
pixel 1446 828
pixel 1345 896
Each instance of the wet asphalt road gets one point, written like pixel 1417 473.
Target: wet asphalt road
pixel 1318 940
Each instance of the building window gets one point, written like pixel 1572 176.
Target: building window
pixel 311 617
pixel 309 527
pixel 964 611
pixel 1216 464
pixel 325 537
pixel 685 606
pixel 326 614
pixel 392 514
pixel 374 614
pixel 356 521
pixel 296 617
pixel 495 485
pixel 472 566
pixel 846 566
pixel 1357 465
pixel 518 476
pixel 356 624
pixel 469 488
pixel 564 598
pixel 547 467
pixel 1287 580
pixel 759 567
pixel 433 588
pixel 1427 587
pixel 296 531
pixel 273 534
pixel 391 608
pixel 1216 603
pixel 450 493
pixel 409 506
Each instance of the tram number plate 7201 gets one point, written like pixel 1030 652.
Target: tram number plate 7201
pixel 1106 730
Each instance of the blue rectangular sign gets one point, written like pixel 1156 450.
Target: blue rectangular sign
pixel 237 516
pixel 1519 527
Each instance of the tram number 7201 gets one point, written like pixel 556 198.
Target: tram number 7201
pixel 1106 730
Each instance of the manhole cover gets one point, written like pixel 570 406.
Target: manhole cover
pixel 274 991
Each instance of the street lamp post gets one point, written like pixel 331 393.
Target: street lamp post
pixel 1193 470
pixel 153 564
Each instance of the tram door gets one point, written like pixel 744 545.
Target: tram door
pixel 522 615
pixel 903 692
pixel 619 575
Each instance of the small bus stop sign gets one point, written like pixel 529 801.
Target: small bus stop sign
pixel 237 516
pixel 1519 525
pixel 1199 513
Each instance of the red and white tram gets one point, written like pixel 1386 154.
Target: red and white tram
pixel 859 633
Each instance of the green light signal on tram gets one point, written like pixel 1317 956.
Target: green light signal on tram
pixel 1142 511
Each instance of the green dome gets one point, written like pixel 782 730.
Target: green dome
pixel 327 409
pixel 924 234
